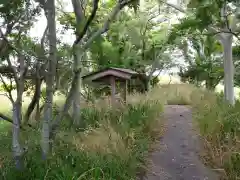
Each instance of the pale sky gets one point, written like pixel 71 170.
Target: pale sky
pixel 40 26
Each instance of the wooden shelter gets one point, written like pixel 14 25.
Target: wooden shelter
pixel 110 76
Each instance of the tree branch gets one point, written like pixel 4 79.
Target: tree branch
pixel 218 33
pixel 90 19
pixel 2 35
pixel 8 119
pixel 180 9
pixel 106 25
pixel 43 37
pixel 7 89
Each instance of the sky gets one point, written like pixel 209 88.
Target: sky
pixel 40 26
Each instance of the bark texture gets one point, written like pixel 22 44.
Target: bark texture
pixel 226 41
pixel 51 70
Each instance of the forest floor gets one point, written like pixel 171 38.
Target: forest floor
pixel 178 156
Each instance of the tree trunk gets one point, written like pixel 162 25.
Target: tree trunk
pixel 38 112
pixel 50 8
pixel 226 41
pixel 76 99
pixel 148 84
pixel 17 150
pixel 67 105
pixel 17 117
pixel 210 85
pixel 78 7
pixel 35 100
pixel 17 110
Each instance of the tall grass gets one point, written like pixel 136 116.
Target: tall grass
pixel 113 144
pixel 219 124
pixel 177 94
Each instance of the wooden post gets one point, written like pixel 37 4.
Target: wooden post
pixel 125 90
pixel 113 89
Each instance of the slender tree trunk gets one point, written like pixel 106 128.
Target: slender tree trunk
pixel 17 111
pixel 79 13
pixel 17 117
pixel 38 112
pixel 226 41
pixel 50 11
pixel 210 85
pixel 148 84
pixel 35 100
pixel 76 99
pixel 17 150
pixel 67 105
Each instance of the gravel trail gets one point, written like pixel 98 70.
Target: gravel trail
pixel 177 158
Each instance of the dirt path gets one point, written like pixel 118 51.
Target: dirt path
pixel 178 157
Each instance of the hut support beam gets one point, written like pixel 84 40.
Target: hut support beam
pixel 125 90
pixel 113 89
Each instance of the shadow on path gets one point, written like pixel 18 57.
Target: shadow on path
pixel 178 157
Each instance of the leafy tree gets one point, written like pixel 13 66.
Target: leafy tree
pixel 206 64
pixel 84 38
pixel 217 18
pixel 17 18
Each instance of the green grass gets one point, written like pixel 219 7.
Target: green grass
pixel 219 125
pixel 113 145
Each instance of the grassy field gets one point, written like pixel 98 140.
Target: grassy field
pixel 113 145
pixel 115 142
pixel 166 79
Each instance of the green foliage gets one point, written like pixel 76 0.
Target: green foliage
pixel 3 2
pixel 134 41
pixel 68 20
pixel 135 5
pixel 130 43
pixel 206 64
pixel 10 87
pixel 18 12
pixel 201 16
pixel 154 81
pixel 9 9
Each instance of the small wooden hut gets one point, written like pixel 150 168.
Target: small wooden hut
pixel 110 76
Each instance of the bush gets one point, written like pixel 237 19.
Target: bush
pixel 113 145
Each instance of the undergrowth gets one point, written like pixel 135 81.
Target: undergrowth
pixel 114 142
pixel 219 124
pixel 113 145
